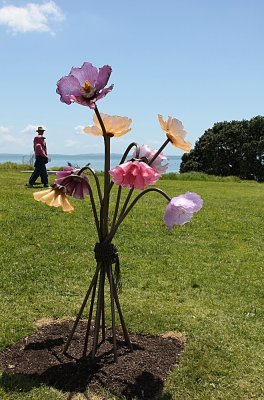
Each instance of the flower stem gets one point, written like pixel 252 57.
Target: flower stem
pixel 126 202
pixel 96 181
pixel 96 220
pixel 124 213
pixel 133 144
pixel 91 286
pixel 159 151
pixel 105 203
pixel 99 307
pixel 116 206
pixel 95 213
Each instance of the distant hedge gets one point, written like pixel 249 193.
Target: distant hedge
pixel 233 148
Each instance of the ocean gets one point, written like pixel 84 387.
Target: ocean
pixel 96 160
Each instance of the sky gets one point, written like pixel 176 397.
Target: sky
pixel 200 61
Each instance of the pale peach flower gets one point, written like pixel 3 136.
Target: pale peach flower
pixel 54 197
pixel 114 125
pixel 175 132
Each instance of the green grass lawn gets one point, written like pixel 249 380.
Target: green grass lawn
pixel 204 280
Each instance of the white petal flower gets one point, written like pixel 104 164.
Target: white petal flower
pixel 175 132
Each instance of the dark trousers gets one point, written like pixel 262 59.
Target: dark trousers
pixel 40 170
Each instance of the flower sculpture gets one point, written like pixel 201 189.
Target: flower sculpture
pixel 114 125
pixel 145 152
pixel 85 85
pixel 134 175
pixel 54 197
pixel 138 171
pixel 180 209
pixel 76 184
pixel 175 133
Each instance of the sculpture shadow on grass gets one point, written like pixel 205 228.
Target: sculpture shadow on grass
pixel 75 378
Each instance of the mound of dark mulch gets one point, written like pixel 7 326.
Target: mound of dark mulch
pixel 137 375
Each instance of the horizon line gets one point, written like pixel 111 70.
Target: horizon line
pixel 74 155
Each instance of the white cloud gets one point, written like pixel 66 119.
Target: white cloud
pixel 8 139
pixel 11 143
pixel 32 17
pixel 71 143
pixel 30 128
pixel 4 129
pixel 79 129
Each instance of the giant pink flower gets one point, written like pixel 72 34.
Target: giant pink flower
pixel 134 174
pixel 76 185
pixel 180 209
pixel 84 85
pixel 157 164
pixel 67 171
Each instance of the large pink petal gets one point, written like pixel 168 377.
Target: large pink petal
pixel 195 198
pixel 67 87
pixel 87 72
pixel 134 174
pixel 83 101
pixel 78 192
pixel 139 182
pixel 70 187
pixel 63 174
pixel 85 188
pixel 103 77
pixel 176 216
pixel 104 92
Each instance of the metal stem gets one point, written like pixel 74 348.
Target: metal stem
pixel 124 157
pixel 105 202
pixel 116 206
pixel 110 278
pixel 92 284
pixel 98 310
pixel 124 328
pixel 89 319
pixel 159 151
pixel 123 216
pixel 96 180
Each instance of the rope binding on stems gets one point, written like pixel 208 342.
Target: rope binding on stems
pixel 106 252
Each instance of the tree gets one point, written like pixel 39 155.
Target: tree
pixel 229 148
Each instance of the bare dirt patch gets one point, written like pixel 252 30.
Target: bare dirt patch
pixel 137 375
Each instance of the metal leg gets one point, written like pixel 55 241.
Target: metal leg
pixel 110 278
pixel 92 284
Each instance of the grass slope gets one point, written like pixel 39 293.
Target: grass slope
pixel 204 280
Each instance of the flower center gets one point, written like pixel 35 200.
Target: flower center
pixel 87 90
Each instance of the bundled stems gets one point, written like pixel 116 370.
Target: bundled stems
pixel 91 286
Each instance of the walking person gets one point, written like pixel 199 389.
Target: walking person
pixel 41 157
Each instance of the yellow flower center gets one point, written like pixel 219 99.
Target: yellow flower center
pixel 87 87
pixel 88 90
